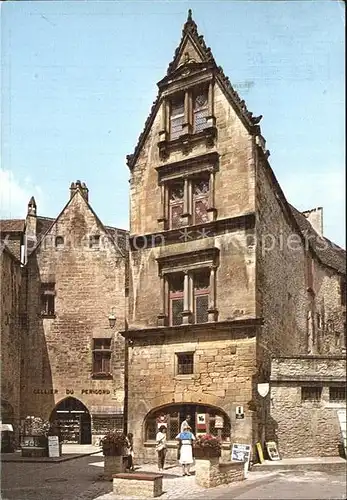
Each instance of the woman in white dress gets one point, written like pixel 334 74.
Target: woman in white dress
pixel 186 439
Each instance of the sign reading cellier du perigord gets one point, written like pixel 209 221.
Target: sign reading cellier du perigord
pixel 70 392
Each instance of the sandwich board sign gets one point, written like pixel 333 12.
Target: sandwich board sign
pixel 241 453
pixel 53 446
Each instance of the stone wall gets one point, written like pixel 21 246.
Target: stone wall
pixel 210 473
pixel 306 428
pixel 89 285
pixel 10 283
pixel 224 371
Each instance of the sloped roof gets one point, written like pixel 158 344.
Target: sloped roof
pixel 327 252
pixel 12 225
pixel 190 31
pixel 119 237
pixel 43 225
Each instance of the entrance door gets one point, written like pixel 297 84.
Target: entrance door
pixel 72 421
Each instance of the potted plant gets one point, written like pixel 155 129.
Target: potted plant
pixel 113 447
pixel 207 446
pixel 35 431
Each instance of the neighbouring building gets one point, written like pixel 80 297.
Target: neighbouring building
pixel 223 278
pixel 11 349
pixel 220 286
pixel 73 306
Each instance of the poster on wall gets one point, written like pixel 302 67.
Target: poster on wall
pixel 271 448
pixel 201 422
pixel 162 421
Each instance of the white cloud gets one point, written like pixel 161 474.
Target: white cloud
pixel 15 194
pixel 320 189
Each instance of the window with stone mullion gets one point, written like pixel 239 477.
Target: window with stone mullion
pixel 200 110
pixel 200 195
pixel 201 282
pixel 176 205
pixel 176 299
pixel 177 118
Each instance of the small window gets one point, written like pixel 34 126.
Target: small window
pixel 59 242
pixel 47 299
pixel 176 285
pixel 177 117
pixel 309 272
pixel 200 110
pixel 94 241
pixel 337 394
pixel 102 357
pixel 311 393
pixel 185 363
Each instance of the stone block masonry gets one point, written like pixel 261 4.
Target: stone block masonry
pixel 143 485
pixel 210 473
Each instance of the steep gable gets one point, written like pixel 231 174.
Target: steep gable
pixel 192 52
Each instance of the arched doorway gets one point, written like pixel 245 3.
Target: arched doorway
pixel 72 421
pixel 6 412
pixel 204 419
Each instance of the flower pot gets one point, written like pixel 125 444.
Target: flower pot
pixel 206 452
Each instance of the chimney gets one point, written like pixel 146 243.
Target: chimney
pixel 79 186
pixel 315 218
pixel 30 229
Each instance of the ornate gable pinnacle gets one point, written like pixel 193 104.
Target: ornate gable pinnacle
pixel 190 25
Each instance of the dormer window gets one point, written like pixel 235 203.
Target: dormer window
pixel 200 110
pixel 177 117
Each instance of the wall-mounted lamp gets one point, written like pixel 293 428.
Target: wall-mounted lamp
pixel 112 319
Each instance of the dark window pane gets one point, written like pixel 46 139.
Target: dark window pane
pixel 176 311
pixel 201 306
pixel 311 393
pixel 337 394
pixel 185 364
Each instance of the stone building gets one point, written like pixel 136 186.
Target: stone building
pixel 73 306
pixel 10 283
pixel 224 285
pixel 221 267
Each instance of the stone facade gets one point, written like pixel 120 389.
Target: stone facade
pixel 304 400
pixel 221 277
pixel 270 272
pixel 85 264
pixel 10 281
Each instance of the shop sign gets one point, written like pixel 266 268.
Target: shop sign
pixel 70 392
pixel 219 422
pixel 53 446
pixel 241 453
pixel 271 448
pixel 201 421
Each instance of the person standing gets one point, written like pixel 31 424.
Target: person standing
pixel 130 451
pixel 186 439
pixel 160 446
pixel 185 423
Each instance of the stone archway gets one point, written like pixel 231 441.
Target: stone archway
pixel 72 421
pixel 214 420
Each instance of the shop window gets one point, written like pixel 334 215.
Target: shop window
pixel 102 358
pixel 201 282
pixel 337 394
pixel 94 241
pixel 200 193
pixel 311 393
pixel 176 292
pixel 176 205
pixel 200 110
pixel 174 415
pixel 177 117
pixel 185 363
pixel 59 242
pixel 48 299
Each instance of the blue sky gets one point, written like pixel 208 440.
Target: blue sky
pixel 79 78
